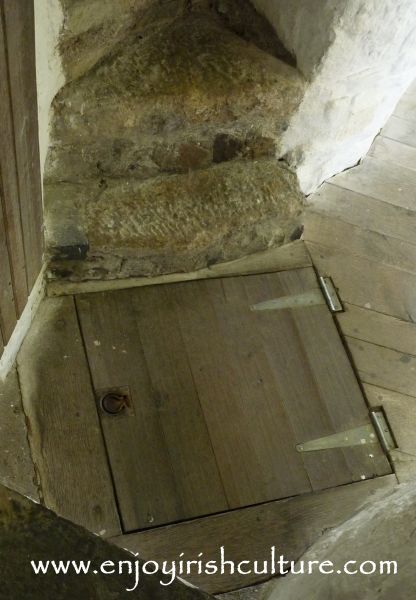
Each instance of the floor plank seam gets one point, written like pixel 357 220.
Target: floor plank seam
pixel 378 312
pixel 37 480
pixel 110 472
pixel 347 189
pixel 400 143
pixel 353 337
pixel 356 255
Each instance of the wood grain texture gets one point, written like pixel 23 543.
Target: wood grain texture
pixel 20 43
pixel 380 329
pixel 384 367
pixel 339 391
pixel 367 283
pixel 290 525
pixel 8 316
pixel 9 191
pixel 16 466
pixel 359 228
pixel 289 256
pixel 221 395
pixel 395 184
pixel 318 386
pixel 161 455
pixel 234 373
pixel 406 107
pixel 394 152
pixel 365 212
pixel 401 130
pixel 401 414
pixel 62 419
pixel 387 250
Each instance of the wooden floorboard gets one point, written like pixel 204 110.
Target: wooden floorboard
pixel 391 151
pixel 16 466
pixel 377 328
pixel 364 212
pixel 290 525
pixel 395 184
pixel 62 420
pixel 352 239
pixel 384 367
pixel 401 130
pixel 401 414
pixel 367 283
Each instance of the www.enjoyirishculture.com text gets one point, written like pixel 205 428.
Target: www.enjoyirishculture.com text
pixel 168 570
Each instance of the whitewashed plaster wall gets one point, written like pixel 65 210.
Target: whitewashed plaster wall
pixel 359 57
pixel 49 19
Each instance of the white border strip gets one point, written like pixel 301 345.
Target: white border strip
pixel 23 324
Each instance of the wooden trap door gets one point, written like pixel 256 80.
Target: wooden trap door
pixel 211 397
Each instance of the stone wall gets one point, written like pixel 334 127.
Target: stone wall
pixel 359 57
pixel 164 154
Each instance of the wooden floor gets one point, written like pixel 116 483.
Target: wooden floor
pixel 360 228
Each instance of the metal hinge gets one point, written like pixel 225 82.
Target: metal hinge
pixel 325 294
pixel 383 429
pixel 371 433
pixel 309 298
pixel 330 293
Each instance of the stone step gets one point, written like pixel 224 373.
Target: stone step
pixel 187 151
pixel 129 228
pixel 165 103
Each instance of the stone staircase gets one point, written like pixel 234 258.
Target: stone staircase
pixel 165 152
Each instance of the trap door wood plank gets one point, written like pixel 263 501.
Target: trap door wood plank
pixel 225 338
pixel 295 380
pixel 339 391
pixel 216 384
pixel 160 452
pixel 250 431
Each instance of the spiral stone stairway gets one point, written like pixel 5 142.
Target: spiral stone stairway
pixel 165 153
